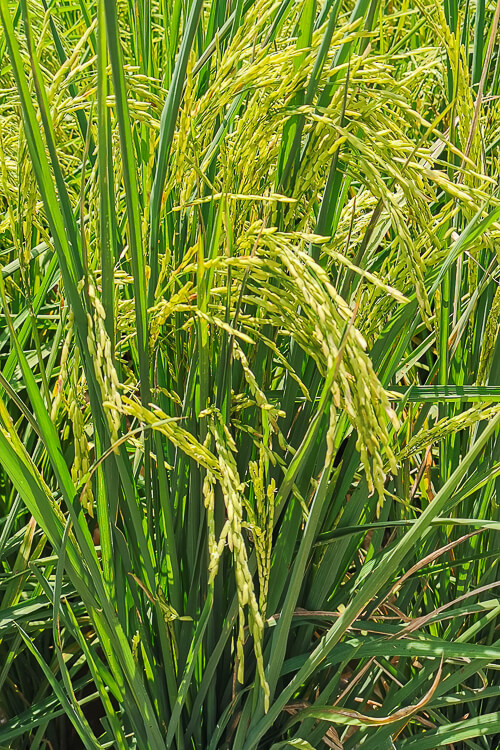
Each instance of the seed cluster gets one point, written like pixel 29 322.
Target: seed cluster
pixel 99 347
pixel 449 426
pixel 261 522
pixel 489 339
pixel 63 368
pixel 80 465
pixel 232 490
pixel 303 302
pixel 72 373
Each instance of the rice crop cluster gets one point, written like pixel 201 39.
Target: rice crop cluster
pixel 249 374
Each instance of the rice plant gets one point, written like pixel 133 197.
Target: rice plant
pixel 250 374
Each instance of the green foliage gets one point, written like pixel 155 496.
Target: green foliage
pixel 249 375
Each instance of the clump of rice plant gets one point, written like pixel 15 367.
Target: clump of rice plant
pixel 249 412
